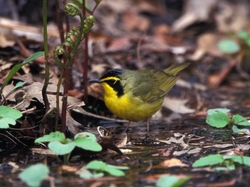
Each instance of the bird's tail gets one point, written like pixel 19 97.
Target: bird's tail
pixel 176 68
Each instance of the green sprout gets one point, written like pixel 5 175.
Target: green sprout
pixel 99 168
pixel 171 181
pixel 219 118
pixel 222 162
pixel 61 145
pixel 34 175
pixel 17 67
pixel 8 116
pixel 231 46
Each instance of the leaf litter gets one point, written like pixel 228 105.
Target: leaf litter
pixel 172 146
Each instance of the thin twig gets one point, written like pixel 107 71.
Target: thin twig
pixel 46 55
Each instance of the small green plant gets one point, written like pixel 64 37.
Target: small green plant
pixel 219 118
pixel 17 67
pixel 244 36
pixel 61 145
pixel 229 46
pixel 68 49
pixel 8 116
pixel 171 181
pixel 34 175
pixel 99 168
pixel 222 162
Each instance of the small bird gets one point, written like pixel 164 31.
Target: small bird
pixel 136 95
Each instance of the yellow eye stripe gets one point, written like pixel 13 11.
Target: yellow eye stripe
pixel 110 78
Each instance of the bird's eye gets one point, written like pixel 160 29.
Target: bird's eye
pixel 110 81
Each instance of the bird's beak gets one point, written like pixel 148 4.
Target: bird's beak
pixel 95 81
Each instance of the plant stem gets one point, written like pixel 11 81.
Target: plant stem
pixel 61 32
pixel 59 22
pixel 86 59
pixel 46 52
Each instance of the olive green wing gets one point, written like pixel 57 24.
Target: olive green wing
pixel 149 85
pixel 153 84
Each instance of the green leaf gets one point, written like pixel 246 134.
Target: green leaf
pixel 229 163
pixel 87 144
pixel 18 85
pixel 34 175
pixel 171 181
pixel 101 166
pixel 61 149
pixel 86 135
pixel 244 160
pixel 216 110
pixel 98 175
pixel 240 120
pixel 18 66
pixel 243 35
pixel 118 167
pixel 229 46
pixel 87 141
pixel 247 41
pixel 8 116
pixel 114 172
pixel 53 136
pixel 86 175
pixel 4 123
pixel 237 130
pixel 209 160
pixel 218 120
pixel 96 165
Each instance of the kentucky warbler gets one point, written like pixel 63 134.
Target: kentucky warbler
pixel 136 95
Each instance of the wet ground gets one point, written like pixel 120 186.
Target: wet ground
pixel 169 148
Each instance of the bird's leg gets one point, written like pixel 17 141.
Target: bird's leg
pixel 127 126
pixel 148 121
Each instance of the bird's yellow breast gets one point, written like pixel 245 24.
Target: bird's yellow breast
pixel 128 106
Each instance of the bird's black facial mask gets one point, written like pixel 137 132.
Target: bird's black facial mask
pixel 112 78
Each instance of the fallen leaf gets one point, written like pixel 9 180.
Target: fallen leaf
pixel 174 140
pixel 177 105
pixel 173 162
pixel 195 11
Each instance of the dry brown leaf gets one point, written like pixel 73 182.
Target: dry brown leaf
pixel 4 42
pixel 149 6
pixel 153 45
pixel 75 93
pixel 232 16
pixel 20 29
pixel 208 44
pixel 177 105
pixel 119 44
pixel 134 22
pixel 179 141
pixel 195 11
pixel 173 162
pixel 97 43
pixel 162 33
pixel 41 151
pixel 190 152
pixel 28 93
pixel 26 53
pixel 67 168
